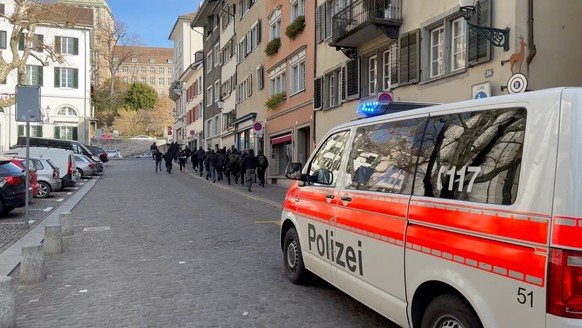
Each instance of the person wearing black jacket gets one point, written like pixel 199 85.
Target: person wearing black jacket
pixel 168 157
pixel 158 158
pixel 200 154
pixel 249 166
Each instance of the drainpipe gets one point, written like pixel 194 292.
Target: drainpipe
pixel 530 40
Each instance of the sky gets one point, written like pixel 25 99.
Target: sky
pixel 151 20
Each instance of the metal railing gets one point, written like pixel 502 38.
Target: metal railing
pixel 364 11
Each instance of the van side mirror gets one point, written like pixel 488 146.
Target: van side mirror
pixel 293 171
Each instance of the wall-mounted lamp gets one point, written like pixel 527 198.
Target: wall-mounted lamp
pixel 220 104
pixel 497 37
pixel 46 118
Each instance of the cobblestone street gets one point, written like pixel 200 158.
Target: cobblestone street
pixel 160 250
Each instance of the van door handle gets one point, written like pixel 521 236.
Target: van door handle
pixel 296 200
pixel 347 199
pixel 329 196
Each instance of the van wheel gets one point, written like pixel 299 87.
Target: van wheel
pixel 293 259
pixel 450 310
pixel 44 189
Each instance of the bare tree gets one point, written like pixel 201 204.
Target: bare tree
pixel 25 17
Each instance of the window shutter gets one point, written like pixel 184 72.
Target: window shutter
pixel 75 78
pixel 38 42
pixel 3 39
pixel 250 85
pixel 409 57
pixel 75 46
pixel 57 77
pixel 352 82
pixel 342 81
pixel 479 49
pixel 317 93
pixel 57 44
pixel 21 131
pixel 248 42
pixel 40 75
pixel 259 32
pixel 317 24
pixel 75 133
pixel 57 132
pixel 394 63
pixel 21 43
pixel 39 131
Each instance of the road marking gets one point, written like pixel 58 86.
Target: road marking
pixel 48 209
pixel 93 229
pixel 60 199
pixel 76 188
pixel 267 222
pixel 70 193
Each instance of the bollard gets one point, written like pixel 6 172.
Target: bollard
pixel 53 239
pixel 7 303
pixel 32 268
pixel 65 222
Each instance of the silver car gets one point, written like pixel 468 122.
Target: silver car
pixel 48 175
pixel 85 166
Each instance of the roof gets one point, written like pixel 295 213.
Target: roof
pixel 186 17
pixel 143 54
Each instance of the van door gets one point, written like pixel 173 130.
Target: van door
pixel 371 219
pixel 317 201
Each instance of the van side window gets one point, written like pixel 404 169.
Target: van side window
pixel 473 156
pixel 383 156
pixel 328 160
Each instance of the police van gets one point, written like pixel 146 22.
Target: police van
pixel 457 215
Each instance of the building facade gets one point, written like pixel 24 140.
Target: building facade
pixel 226 60
pixel 148 65
pixel 64 84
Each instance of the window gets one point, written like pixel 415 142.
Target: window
pixel 216 54
pixel 326 163
pixel 226 52
pixel 3 40
pixel 161 81
pixel 33 75
pixel 255 35
pixel 437 66
pixel 458 46
pixel 67 111
pixel 125 79
pixel 133 69
pixel 297 9
pixel 143 80
pixel 487 171
pixel 275 25
pixel 115 59
pixel 124 69
pixel 2 9
pixel 216 90
pixel 143 69
pixel 244 89
pixel 152 70
pixel 134 59
pixel 67 45
pixel 161 70
pixel 333 88
pixel 152 60
pixel 152 81
pixel 209 95
pixel 35 131
pixel 200 85
pixel 390 67
pixel 409 63
pixel 66 77
pixel 66 132
pixel 170 61
pixel 133 79
pixel 323 19
pixel 170 70
pixel 297 67
pixel 244 6
pixel 383 156
pixel 372 69
pixel 170 83
pixel 277 80
pixel 209 61
pixel 37 43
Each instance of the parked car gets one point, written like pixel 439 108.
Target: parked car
pixel 98 164
pixel 100 152
pixel 114 153
pixel 33 177
pixel 12 186
pixel 48 175
pixel 85 167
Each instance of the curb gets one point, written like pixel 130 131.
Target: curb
pixel 11 257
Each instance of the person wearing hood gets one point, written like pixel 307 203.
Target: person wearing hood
pixel 249 166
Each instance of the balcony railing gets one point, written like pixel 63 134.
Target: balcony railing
pixel 386 14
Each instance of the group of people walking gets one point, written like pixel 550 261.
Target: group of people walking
pixel 216 165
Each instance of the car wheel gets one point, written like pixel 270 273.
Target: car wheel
pixel 450 310
pixel 44 189
pixel 293 259
pixel 80 173
pixel 2 207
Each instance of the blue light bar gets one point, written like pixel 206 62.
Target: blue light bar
pixel 372 108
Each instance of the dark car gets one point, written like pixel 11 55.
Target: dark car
pixel 12 186
pixel 98 151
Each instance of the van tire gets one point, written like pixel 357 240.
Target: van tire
pixel 450 310
pixel 44 189
pixel 293 259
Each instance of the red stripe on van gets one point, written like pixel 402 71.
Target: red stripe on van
pixel 518 226
pixel 504 259
pixel 567 232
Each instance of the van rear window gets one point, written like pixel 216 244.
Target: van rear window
pixel 473 156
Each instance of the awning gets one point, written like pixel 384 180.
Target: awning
pixel 281 139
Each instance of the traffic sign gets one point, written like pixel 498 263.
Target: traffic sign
pixel 517 83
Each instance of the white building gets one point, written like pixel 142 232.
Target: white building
pixel 65 85
pixel 187 42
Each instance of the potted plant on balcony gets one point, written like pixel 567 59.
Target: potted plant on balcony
pixel 275 100
pixel 295 28
pixel 273 46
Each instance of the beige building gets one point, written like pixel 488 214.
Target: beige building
pixel 151 66
pixel 426 51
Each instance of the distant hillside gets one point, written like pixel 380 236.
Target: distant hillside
pixel 129 147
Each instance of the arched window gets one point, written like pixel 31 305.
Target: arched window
pixel 67 111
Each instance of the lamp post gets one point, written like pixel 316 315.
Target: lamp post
pixel 497 37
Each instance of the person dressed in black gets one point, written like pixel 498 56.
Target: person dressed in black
pixel 182 159
pixel 168 157
pixel 194 159
pixel 249 166
pixel 187 152
pixel 263 165
pixel 153 148
pixel 200 154
pixel 158 158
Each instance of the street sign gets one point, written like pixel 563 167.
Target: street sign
pixel 481 90
pixel 28 103
pixel 192 133
pixel 385 97
pixel 169 130
pixel 517 83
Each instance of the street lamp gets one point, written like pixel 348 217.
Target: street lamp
pixel 220 104
pixel 47 110
pixel 497 37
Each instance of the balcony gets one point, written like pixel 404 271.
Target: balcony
pixel 364 20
